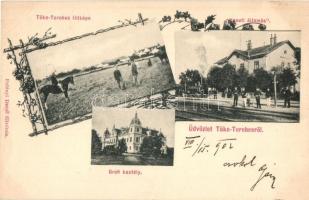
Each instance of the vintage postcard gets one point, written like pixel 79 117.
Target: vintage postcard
pixel 154 100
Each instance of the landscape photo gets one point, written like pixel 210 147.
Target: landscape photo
pixel 238 76
pixel 131 136
pixel 105 69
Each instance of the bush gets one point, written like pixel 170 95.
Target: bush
pixel 96 144
pixel 110 150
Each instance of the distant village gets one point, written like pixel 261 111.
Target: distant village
pixel 147 52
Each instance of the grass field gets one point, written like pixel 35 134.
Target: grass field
pixel 152 79
pixel 130 160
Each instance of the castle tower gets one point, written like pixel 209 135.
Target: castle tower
pixel 135 125
pixel 135 135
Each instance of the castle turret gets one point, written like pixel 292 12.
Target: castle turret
pixel 135 125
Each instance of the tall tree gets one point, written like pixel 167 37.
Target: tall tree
pixel 241 77
pixel 297 55
pixel 96 144
pixel 122 146
pixel 263 79
pixel 251 83
pixel 190 77
pixel 287 78
pixel 227 76
pixel 214 77
pixel 151 145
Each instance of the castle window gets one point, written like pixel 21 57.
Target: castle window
pixel 137 129
pixel 285 52
pixel 242 65
pixel 130 139
pixel 256 64
pixel 131 129
pixel 137 139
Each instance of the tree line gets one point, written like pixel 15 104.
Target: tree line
pixel 151 146
pixel 228 76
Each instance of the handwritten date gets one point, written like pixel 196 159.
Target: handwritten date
pixel 200 145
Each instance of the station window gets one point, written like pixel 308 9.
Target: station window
pixel 256 64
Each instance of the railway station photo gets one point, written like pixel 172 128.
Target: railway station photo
pixel 238 76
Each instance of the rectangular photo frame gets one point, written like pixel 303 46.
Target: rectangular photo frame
pixel 132 136
pixel 107 68
pixel 240 76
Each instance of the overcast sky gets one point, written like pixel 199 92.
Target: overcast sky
pixel 189 46
pixel 93 50
pixel 103 118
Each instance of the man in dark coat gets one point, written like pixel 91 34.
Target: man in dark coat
pixel 215 91
pixel 235 93
pixel 258 95
pixel 134 72
pixel 244 96
pixel 118 77
pixel 287 97
pixel 55 82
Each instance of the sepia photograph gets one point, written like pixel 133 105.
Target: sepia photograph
pixel 107 68
pixel 131 136
pixel 238 76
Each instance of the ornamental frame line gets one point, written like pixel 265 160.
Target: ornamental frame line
pixel 31 104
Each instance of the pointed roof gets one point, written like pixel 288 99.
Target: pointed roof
pixel 257 52
pixel 136 120
pixel 106 132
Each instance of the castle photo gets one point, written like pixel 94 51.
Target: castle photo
pixel 132 136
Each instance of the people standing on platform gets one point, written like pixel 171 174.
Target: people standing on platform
pixel 244 96
pixel 268 95
pixel 287 97
pixel 235 94
pixel 215 92
pixel 258 95
pixel 248 97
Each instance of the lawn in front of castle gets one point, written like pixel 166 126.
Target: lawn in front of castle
pixel 130 159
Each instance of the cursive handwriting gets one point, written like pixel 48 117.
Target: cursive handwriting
pixel 251 163
pixel 199 145
pixel 242 163
pixel 263 175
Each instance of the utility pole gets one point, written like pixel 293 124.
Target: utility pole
pixel 275 89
